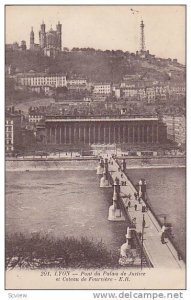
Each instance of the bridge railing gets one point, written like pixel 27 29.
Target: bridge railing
pixel 148 203
pixel 129 221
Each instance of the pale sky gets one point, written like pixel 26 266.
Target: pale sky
pixel 104 27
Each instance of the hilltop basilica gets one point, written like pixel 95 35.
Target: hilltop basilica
pixel 50 42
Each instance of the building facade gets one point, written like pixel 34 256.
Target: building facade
pixel 16 47
pixel 13 129
pixel 50 42
pixel 108 130
pixel 9 147
pixel 150 94
pixel 102 88
pixel 35 118
pixel 177 89
pixel 77 84
pixel 42 80
pixel 176 128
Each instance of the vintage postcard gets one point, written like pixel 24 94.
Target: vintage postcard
pixel 95 155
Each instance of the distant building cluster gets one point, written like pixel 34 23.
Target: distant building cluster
pixel 131 88
pixel 149 90
pixel 15 46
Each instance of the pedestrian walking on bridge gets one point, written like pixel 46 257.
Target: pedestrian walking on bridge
pixel 162 238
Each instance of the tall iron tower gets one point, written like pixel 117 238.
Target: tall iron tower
pixel 32 38
pixel 142 39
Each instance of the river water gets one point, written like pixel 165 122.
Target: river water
pixel 70 203
pixel 61 203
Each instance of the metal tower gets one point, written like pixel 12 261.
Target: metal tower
pixel 142 39
pixel 31 38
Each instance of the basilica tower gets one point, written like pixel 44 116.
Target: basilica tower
pixel 42 36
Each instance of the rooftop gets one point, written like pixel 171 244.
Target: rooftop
pixel 60 118
pixel 34 74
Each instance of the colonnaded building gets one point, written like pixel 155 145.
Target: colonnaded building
pixel 104 130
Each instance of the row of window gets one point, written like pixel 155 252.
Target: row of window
pixel 102 88
pixel 9 128
pixel 102 91
pixel 9 148
pixel 77 82
pixel 36 117
pixel 42 81
pixel 9 135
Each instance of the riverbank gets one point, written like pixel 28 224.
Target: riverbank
pixel 37 251
pixel 155 162
pixel 42 164
pixel 51 165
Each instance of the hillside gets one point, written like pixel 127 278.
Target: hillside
pixel 105 66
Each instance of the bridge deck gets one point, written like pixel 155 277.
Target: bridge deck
pixel 160 255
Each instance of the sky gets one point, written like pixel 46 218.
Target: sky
pixel 104 27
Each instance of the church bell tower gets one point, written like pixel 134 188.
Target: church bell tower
pixel 42 36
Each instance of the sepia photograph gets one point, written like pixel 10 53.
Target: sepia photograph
pixel 95 147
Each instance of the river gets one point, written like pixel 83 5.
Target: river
pixel 70 203
pixel 61 203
